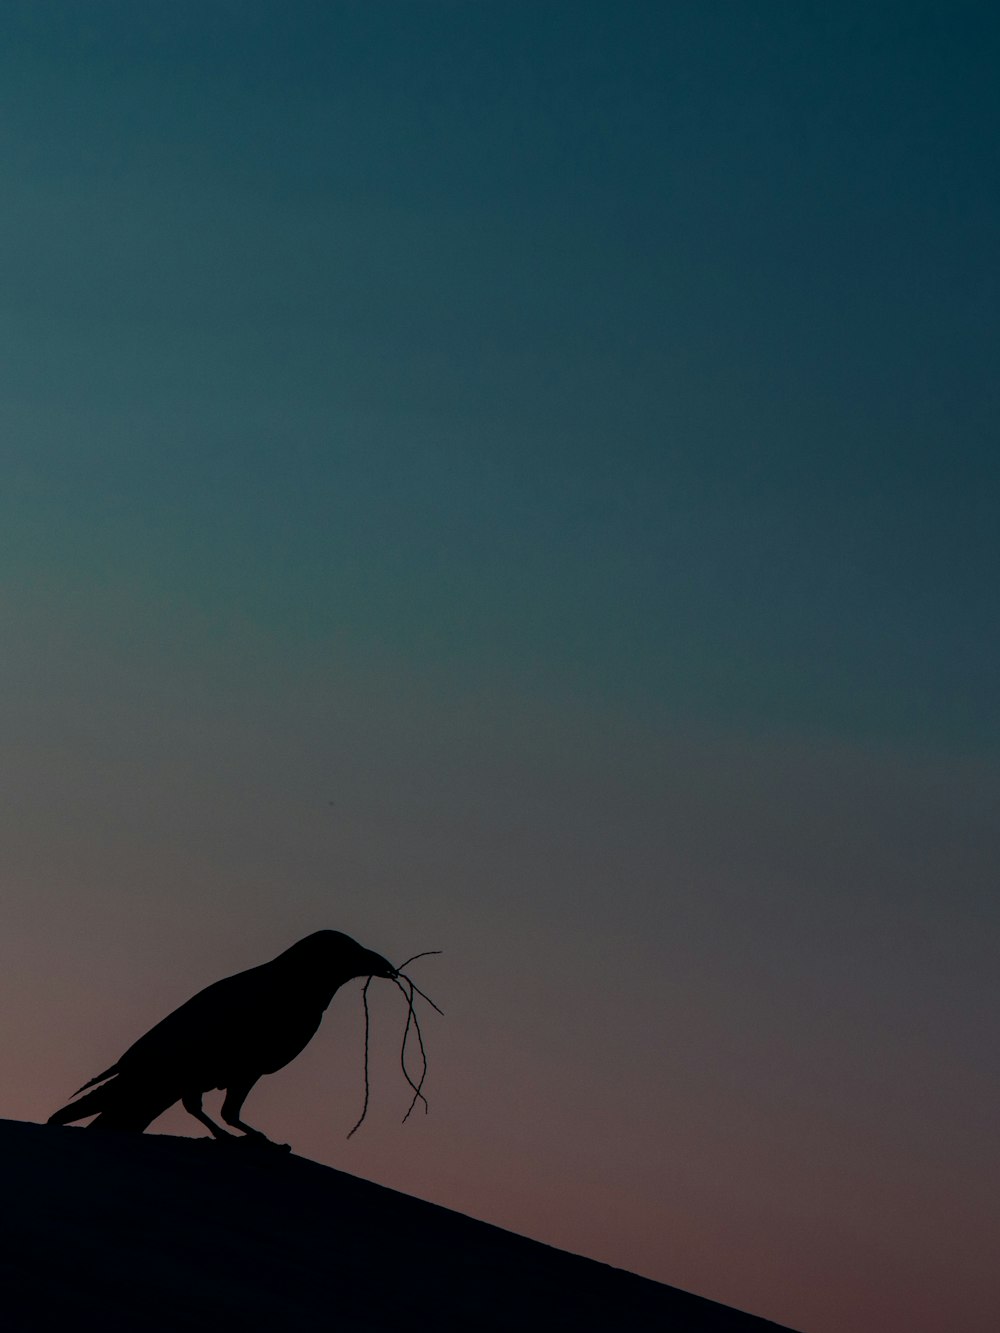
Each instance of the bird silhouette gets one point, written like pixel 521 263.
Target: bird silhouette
pixel 227 1036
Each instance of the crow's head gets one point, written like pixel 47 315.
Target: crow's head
pixel 332 952
pixel 333 958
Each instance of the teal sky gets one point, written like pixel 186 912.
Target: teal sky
pixel 562 435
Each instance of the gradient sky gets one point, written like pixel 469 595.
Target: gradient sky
pixel 521 479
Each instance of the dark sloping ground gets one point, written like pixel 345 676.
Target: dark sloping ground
pixel 137 1232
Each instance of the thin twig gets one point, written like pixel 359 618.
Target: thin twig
pixel 411 1017
pixel 421 994
pixel 428 953
pixel 423 1056
pixel 364 1109
pixel 411 1021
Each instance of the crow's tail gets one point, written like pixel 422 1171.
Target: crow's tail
pixel 79 1110
pixel 117 1104
pixel 99 1078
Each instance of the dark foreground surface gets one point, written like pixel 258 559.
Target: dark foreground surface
pixel 137 1232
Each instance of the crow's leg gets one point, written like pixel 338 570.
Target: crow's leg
pixel 191 1101
pixel 236 1095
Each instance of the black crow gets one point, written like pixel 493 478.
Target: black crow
pixel 226 1036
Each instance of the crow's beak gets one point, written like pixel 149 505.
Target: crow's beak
pixel 381 968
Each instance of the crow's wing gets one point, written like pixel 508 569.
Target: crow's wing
pixel 241 1027
pixel 207 1034
pixel 210 1039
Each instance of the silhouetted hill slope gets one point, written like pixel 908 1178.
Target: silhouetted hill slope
pixel 138 1232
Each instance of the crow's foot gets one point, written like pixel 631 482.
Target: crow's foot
pixel 257 1143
